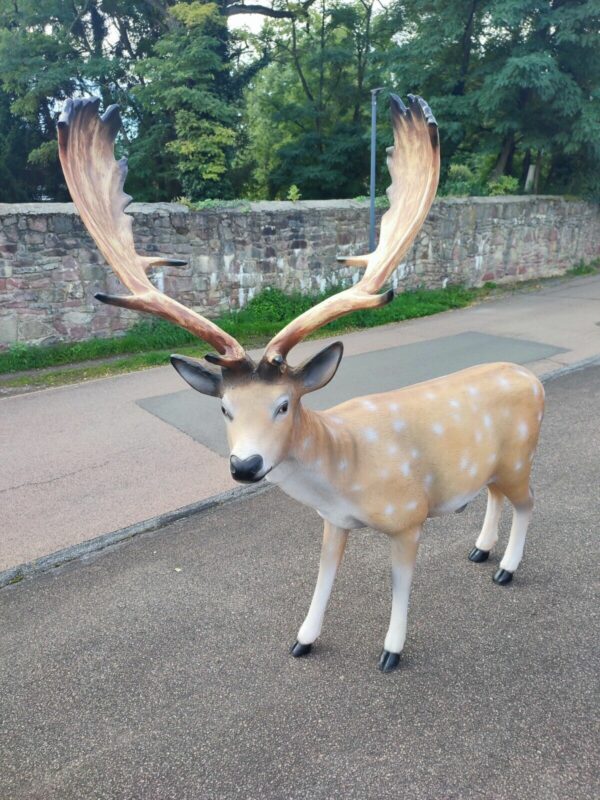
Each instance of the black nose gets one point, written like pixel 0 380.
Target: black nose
pixel 246 469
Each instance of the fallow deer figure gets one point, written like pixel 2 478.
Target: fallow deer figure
pixel 388 461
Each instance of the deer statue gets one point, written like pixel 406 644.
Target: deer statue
pixel 387 461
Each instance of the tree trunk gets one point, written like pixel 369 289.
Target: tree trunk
pixel 505 157
pixel 525 169
pixel 466 45
pixel 538 172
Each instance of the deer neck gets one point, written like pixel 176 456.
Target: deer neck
pixel 317 450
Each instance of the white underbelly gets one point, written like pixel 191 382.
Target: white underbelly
pixel 312 490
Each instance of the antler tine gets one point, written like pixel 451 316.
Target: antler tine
pixel 414 166
pixel 95 180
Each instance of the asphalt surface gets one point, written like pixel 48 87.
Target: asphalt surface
pixel 159 669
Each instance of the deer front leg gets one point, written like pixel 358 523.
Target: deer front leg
pixel 332 550
pixel 404 555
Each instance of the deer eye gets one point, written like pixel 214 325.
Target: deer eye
pixel 226 413
pixel 283 408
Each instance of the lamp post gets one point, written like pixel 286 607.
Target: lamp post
pixel 374 93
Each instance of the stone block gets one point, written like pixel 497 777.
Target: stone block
pixel 8 329
pixel 34 328
pixel 38 223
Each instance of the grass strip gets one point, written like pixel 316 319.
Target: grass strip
pixel 259 320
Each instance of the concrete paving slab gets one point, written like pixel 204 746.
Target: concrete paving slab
pixel 200 417
pixel 160 670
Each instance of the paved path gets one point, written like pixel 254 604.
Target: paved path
pixel 124 678
pixel 81 461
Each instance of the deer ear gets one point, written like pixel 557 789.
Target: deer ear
pixel 198 376
pixel 320 369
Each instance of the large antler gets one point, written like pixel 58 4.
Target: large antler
pixel 414 165
pixel 95 180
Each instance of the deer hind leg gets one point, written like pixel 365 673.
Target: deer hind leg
pixel 332 550
pixel 489 532
pixel 522 502
pixel 404 555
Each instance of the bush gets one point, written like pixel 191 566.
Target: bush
pixel 294 193
pixel 461 181
pixel 505 184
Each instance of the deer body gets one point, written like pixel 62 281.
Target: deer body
pixel 387 461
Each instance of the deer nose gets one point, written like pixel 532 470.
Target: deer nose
pixel 246 469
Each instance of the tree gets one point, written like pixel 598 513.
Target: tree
pixel 514 84
pixel 53 50
pixel 308 111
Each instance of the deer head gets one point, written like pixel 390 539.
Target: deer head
pixel 260 401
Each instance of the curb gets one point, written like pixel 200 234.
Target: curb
pixel 576 367
pixel 29 569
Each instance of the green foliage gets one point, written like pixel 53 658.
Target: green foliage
pixel 505 184
pixel 50 51
pixel 293 193
pixel 585 269
pixel 214 205
pixel 182 79
pixel 461 181
pixel 212 110
pixel 516 80
pixel 308 115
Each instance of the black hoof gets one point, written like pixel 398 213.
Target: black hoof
pixel 388 661
pixel 298 650
pixel 478 556
pixel 502 577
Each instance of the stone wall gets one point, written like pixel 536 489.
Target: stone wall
pixel 50 268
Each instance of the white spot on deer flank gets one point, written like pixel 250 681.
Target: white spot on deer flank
pixel 464 462
pixel 343 465
pixel 337 420
pixel 414 453
pixel 473 471
pixel 478 436
pixel 523 430
pixel 389 510
pixel 428 480
pixel 492 458
pixel 535 389
pixel 398 425
pixel 370 434
pixel 384 473
pixel 369 405
pixel 405 469
pixel 430 395
pixel 393 407
pixel 487 420
pixel 411 505
pixel 437 428
pixel 473 391
pixel 503 382
pixel 518 465
pixel 392 449
pixel 454 403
